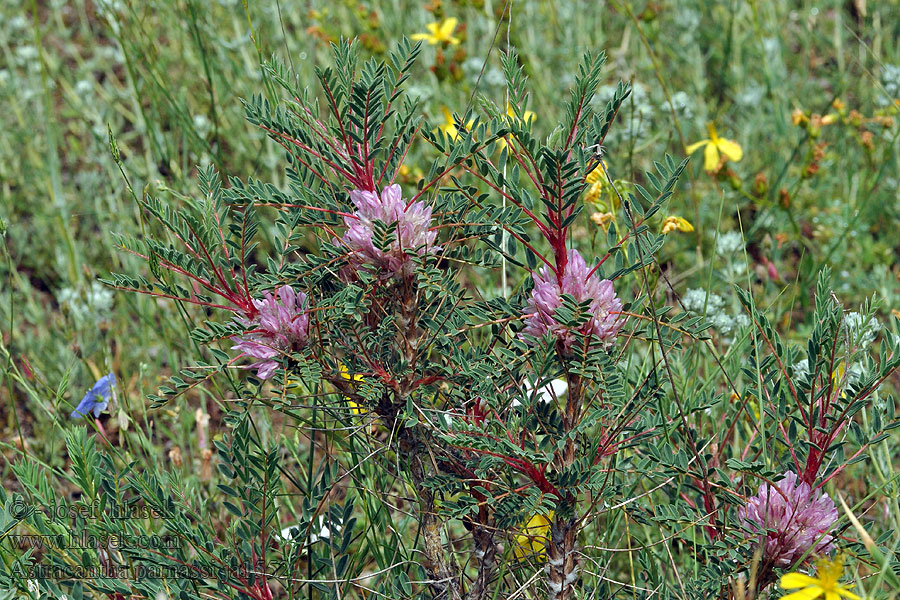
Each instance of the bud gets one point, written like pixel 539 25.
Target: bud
pixel 798 118
pixel 760 185
pixel 201 419
pixel 771 270
pixel 123 419
pixel 734 180
pixel 649 15
pixel 175 456
pixel 819 151
pixel 867 141
pixel 784 198
pixel 206 465
pixel 839 106
pixel 856 118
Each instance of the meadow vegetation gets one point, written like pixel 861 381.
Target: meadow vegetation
pixel 449 299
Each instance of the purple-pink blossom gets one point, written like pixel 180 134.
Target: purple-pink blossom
pixel 281 327
pixel 546 297
pixel 413 232
pixel 792 519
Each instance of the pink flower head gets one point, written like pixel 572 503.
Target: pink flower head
pixel 793 518
pixel 281 326
pixel 412 232
pixel 546 297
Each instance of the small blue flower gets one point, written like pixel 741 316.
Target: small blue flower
pixel 97 398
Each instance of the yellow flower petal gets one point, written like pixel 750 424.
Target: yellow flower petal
pixel 454 41
pixel 603 219
pixel 676 223
pixel 434 28
pixel 696 146
pixel 710 157
pixel 447 28
pixel 534 536
pixel 810 593
pixel 355 407
pixel 596 175
pixel 832 596
pixel 527 116
pixel 422 36
pixel 796 580
pixel 844 592
pixel 730 149
pixel 593 193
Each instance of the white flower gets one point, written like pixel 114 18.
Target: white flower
pixel 729 243
pixel 83 87
pixel 890 79
pixel 699 301
pixel 26 53
pixel 682 103
pixel 547 393
pixel 201 124
pixel 734 270
pixel 287 534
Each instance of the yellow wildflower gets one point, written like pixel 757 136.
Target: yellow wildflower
pixel 597 180
pixel 676 223
pixel 448 127
pixel 603 219
pixel 534 536
pixel 527 116
pixel 594 192
pixel 798 117
pixel 596 176
pixel 714 145
pixel 825 583
pixel 345 373
pixel 441 32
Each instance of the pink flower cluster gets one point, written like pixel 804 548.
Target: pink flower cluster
pixel 412 233
pixel 546 297
pixel 793 518
pixel 282 326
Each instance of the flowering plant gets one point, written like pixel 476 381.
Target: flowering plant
pixel 489 438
